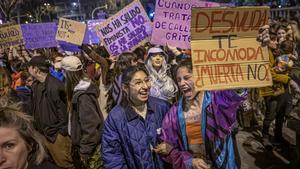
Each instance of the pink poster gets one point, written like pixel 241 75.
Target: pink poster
pixel 172 20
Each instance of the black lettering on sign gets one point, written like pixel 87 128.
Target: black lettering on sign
pixel 258 72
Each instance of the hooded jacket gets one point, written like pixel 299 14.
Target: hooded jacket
pixel 128 137
pixel 86 118
pixel 163 86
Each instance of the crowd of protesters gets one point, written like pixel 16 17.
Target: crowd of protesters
pixel 138 110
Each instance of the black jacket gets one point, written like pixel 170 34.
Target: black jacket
pixel 44 165
pixel 49 107
pixel 86 120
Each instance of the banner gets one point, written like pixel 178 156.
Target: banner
pixel 125 30
pixel 70 31
pixel 68 47
pixel 172 20
pixel 90 36
pixel 10 36
pixel 225 52
pixel 39 35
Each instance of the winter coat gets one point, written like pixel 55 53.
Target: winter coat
pixel 86 118
pixel 49 107
pixel 218 119
pixel 128 138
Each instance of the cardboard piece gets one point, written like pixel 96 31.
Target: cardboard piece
pixel 70 31
pixel 10 36
pixel 225 52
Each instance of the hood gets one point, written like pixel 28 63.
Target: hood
pixel 82 85
pixel 87 86
pixel 156 50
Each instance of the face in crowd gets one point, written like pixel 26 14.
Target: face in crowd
pixel 157 60
pixel 281 35
pixel 273 43
pixel 184 78
pixel 29 81
pixel 57 63
pixel 13 149
pixel 33 71
pixel 138 88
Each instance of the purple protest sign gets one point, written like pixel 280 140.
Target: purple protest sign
pixel 172 21
pixel 125 30
pixel 90 34
pixel 39 35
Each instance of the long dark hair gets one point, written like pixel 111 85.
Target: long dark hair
pixel 184 63
pixel 123 62
pixel 187 63
pixel 127 77
pixel 72 79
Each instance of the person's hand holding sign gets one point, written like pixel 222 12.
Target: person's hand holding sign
pixel 263 35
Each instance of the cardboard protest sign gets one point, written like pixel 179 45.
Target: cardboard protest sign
pixel 70 31
pixel 39 35
pixel 225 52
pixel 125 30
pixel 10 36
pixel 172 20
pixel 90 36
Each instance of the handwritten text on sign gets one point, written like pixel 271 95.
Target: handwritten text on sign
pixel 10 36
pixel 172 21
pixel 225 52
pixel 125 30
pixel 39 35
pixel 70 31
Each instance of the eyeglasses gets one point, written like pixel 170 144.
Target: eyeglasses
pixel 140 83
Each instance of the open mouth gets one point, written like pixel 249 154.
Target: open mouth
pixel 144 93
pixel 158 62
pixel 186 91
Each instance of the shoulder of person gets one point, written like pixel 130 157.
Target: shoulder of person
pixel 117 112
pixel 44 165
pixel 158 102
pixel 53 80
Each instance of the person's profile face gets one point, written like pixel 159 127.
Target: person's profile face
pixel 29 81
pixel 13 149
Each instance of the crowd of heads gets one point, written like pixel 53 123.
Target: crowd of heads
pixel 159 71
